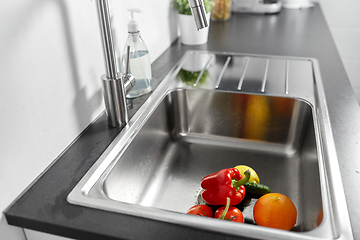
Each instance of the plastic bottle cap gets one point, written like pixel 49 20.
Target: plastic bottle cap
pixel 132 24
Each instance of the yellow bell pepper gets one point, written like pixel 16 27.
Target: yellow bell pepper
pixel 253 175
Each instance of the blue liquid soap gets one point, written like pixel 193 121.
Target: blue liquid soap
pixel 139 63
pixel 140 68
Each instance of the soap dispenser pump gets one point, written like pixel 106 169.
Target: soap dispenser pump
pixel 139 58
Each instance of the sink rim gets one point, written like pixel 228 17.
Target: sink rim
pixel 80 193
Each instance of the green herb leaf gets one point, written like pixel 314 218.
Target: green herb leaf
pixel 189 78
pixel 183 7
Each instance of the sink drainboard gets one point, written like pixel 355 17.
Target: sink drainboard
pixel 268 75
pixel 217 110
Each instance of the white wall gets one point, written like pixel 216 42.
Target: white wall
pixel 50 66
pixel 343 18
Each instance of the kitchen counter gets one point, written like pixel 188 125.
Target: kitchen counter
pixel 301 33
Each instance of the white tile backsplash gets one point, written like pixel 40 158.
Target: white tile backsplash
pixel 347 42
pixel 353 71
pixel 343 18
pixel 343 14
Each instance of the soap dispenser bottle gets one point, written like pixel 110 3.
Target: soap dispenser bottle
pixel 139 59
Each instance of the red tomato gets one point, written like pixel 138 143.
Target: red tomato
pixel 233 214
pixel 200 210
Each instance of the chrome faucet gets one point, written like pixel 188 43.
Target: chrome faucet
pixel 115 87
pixel 199 13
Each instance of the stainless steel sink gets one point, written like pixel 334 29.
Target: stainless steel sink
pixel 219 110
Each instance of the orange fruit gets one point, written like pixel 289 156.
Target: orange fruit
pixel 275 210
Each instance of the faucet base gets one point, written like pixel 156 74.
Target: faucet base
pixel 114 99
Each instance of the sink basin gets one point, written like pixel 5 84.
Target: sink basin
pixel 193 133
pixel 215 111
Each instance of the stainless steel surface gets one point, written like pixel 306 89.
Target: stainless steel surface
pixel 199 13
pixel 113 92
pixel 277 122
pixel 129 80
pixel 107 39
pixel 113 88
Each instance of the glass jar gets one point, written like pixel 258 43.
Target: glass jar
pixel 221 10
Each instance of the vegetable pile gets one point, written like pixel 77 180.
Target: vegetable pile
pixel 224 190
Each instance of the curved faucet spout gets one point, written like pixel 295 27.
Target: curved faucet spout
pixel 199 13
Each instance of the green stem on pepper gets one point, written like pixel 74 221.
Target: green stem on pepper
pixel 242 181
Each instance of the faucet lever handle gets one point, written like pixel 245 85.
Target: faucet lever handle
pixel 128 79
pixel 127 60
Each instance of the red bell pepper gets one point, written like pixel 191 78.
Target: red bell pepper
pixel 226 183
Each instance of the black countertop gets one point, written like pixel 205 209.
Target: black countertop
pixel 302 33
